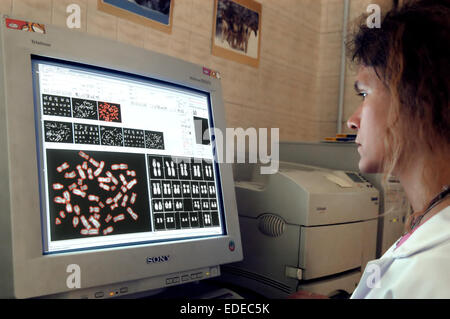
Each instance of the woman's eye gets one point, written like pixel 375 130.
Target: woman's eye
pixel 362 94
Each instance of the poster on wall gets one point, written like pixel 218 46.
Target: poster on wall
pixel 237 30
pixel 153 13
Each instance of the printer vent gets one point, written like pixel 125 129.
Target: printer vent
pixel 261 279
pixel 271 225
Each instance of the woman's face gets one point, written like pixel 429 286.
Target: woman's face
pixel 370 119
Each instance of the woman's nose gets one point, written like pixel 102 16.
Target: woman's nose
pixel 354 120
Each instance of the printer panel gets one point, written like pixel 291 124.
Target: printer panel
pixel 328 250
pixel 268 256
pixel 351 206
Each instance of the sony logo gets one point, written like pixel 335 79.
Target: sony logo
pixel 158 259
pixel 41 43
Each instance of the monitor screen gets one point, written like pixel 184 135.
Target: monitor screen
pixel 123 159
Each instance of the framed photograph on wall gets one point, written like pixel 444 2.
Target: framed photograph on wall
pixel 154 13
pixel 237 30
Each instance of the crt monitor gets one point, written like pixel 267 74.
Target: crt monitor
pixel 109 185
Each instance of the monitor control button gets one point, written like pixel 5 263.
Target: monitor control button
pixel 99 294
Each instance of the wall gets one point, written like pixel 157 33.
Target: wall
pixel 296 85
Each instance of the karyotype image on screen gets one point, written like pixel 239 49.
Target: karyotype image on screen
pixel 133 138
pixel 56 105
pixel 86 134
pixel 183 193
pixel 96 194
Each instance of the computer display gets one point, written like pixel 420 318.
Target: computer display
pixel 109 181
pixel 121 162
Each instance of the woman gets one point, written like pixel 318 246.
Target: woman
pixel 403 128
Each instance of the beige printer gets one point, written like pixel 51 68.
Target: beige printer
pixel 304 227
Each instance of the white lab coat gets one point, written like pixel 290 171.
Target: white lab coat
pixel 419 268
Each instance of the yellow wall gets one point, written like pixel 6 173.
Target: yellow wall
pixel 295 87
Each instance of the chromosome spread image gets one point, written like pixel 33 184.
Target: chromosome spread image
pixel 58 132
pixel 109 112
pixel 84 109
pixel 154 140
pixel 96 194
pixel 111 136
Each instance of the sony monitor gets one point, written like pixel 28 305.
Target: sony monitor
pixel 110 183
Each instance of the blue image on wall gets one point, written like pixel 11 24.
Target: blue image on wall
pixel 157 10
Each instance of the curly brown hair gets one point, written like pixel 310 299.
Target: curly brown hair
pixel 410 55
